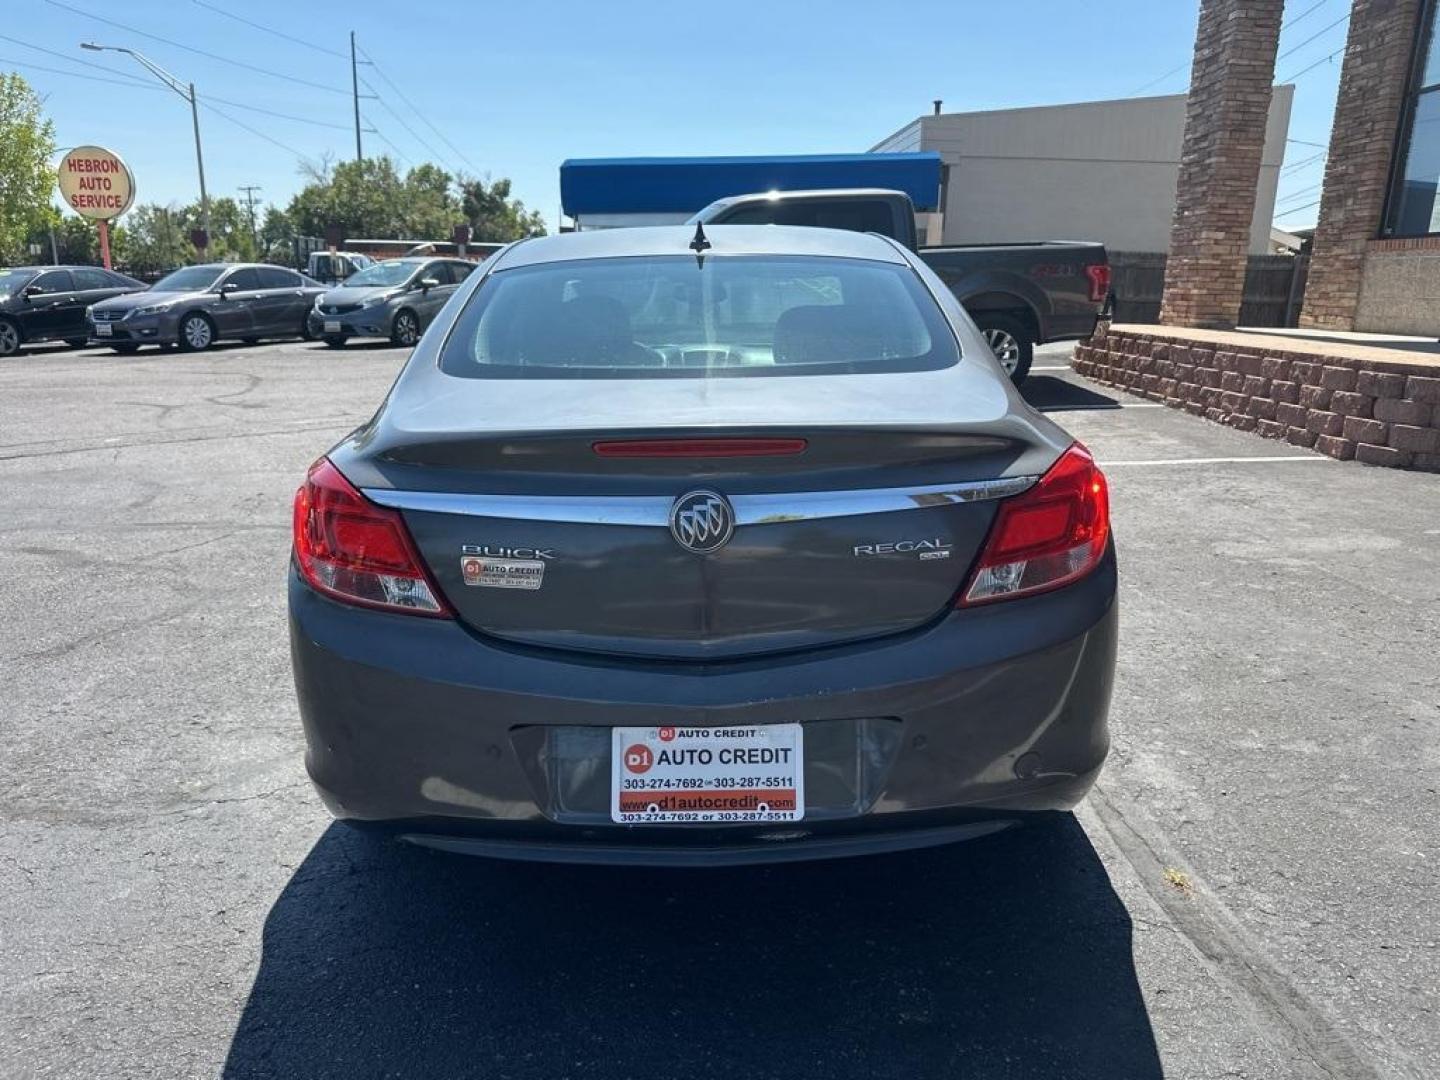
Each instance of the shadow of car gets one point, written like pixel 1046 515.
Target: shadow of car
pixel 1005 957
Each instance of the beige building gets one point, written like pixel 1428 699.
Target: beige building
pixel 1094 170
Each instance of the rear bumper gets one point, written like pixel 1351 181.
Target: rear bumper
pixel 986 717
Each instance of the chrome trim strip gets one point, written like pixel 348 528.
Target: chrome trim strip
pixel 654 510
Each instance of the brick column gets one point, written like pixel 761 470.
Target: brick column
pixel 1220 161
pixel 1367 114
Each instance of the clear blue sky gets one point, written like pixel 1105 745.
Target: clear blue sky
pixel 517 88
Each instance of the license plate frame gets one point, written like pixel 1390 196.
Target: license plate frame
pixel 332 326
pixel 735 775
pixel 104 329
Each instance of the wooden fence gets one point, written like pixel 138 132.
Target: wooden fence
pixel 1274 287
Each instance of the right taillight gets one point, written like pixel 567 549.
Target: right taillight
pixel 1099 275
pixel 1049 536
pixel 352 550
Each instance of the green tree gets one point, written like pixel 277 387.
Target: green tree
pixel 428 209
pixel 361 198
pixel 277 237
pixel 27 179
pixel 370 198
pixel 69 238
pixel 156 240
pixel 493 215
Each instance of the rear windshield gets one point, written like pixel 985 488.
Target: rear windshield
pixel 674 316
pixel 389 272
pixel 190 279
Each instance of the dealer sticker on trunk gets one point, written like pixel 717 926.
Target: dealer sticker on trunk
pixel 663 775
pixel 502 573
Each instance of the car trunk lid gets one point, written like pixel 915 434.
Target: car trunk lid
pixel 859 520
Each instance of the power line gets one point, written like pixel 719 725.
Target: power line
pixel 1308 11
pixel 1302 193
pixel 386 140
pixel 1173 71
pixel 435 154
pixel 1312 37
pixel 425 119
pixel 1299 192
pixel 268 30
pixel 139 85
pixel 75 74
pixel 1303 142
pixel 272 112
pixel 1295 210
pixel 253 131
pixel 1312 67
pixel 1302 163
pixel 78 60
pixel 198 52
pixel 1283 27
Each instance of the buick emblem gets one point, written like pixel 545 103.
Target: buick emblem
pixel 702 521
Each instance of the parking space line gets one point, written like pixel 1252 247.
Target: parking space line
pixel 1061 367
pixel 1259 460
pixel 1102 408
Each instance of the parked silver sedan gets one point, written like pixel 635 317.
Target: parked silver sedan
pixel 701 550
pixel 394 299
pixel 196 306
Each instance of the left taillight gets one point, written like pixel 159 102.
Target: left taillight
pixel 1046 537
pixel 354 551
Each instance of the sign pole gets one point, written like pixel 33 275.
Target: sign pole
pixel 104 243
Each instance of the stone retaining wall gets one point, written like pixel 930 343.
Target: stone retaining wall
pixel 1350 404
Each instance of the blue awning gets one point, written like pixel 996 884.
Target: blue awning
pixel 684 185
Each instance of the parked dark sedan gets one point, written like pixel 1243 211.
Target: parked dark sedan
pixel 196 306
pixel 47 303
pixel 697 550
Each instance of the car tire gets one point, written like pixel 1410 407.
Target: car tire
pixel 77 342
pixel 125 349
pixel 10 337
pixel 334 341
pixel 306 334
pixel 197 333
pixel 405 329
pixel 1010 340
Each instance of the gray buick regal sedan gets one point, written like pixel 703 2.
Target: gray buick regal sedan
pixel 671 547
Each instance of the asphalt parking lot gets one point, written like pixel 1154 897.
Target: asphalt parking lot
pixel 1252 890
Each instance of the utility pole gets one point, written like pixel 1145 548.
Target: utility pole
pixel 249 190
pixel 186 91
pixel 355 93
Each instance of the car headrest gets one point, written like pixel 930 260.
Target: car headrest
pixel 822 333
pixel 583 326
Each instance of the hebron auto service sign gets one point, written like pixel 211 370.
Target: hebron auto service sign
pixel 96 183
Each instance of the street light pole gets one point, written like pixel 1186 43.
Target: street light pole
pixel 186 91
pixel 200 166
